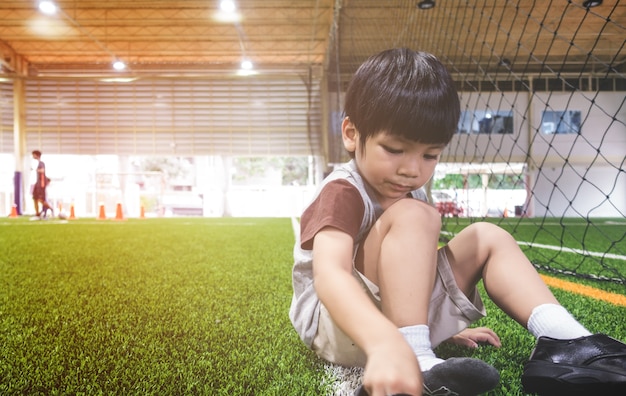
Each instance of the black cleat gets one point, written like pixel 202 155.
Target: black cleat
pixel 594 364
pixel 460 377
pixel 456 377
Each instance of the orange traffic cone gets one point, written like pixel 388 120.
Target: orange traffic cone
pixel 118 212
pixel 72 214
pixel 102 215
pixel 142 212
pixel 13 211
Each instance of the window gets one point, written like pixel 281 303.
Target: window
pixel 560 122
pixel 486 121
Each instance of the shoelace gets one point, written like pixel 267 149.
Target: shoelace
pixel 442 391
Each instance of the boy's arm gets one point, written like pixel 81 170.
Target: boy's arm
pixel 391 364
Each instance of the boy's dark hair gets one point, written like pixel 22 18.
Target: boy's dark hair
pixel 37 153
pixel 405 93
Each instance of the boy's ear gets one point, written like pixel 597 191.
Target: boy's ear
pixel 350 135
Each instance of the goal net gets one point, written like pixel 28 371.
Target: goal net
pixel 541 141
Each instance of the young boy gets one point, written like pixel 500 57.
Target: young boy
pixel 372 289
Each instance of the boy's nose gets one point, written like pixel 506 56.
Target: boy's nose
pixel 410 168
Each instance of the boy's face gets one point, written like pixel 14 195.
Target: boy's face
pixel 392 165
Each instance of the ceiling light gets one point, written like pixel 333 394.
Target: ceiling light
pixel 47 7
pixel 426 4
pixel 119 65
pixel 227 12
pixel 228 6
pixel 246 65
pixel 245 73
pixel 247 68
pixel 118 79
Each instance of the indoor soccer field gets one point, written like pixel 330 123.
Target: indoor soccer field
pixel 187 306
pixel 213 123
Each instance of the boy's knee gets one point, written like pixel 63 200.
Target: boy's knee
pixel 414 213
pixel 488 232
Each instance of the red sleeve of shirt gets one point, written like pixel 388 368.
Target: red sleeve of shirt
pixel 339 205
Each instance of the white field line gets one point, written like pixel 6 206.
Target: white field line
pixel 564 249
pixel 571 250
pixel 347 379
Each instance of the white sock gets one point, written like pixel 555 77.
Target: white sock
pixel 418 337
pixel 552 320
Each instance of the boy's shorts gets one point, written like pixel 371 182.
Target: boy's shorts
pixel 450 311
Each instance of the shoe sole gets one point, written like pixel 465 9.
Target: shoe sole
pixel 547 379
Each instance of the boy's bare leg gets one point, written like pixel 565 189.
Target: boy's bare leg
pixel 399 255
pixel 484 250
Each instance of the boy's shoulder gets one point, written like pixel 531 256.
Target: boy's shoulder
pixel 346 171
pixel 343 178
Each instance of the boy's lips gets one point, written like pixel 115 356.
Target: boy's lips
pixel 400 187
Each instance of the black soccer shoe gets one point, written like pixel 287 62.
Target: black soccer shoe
pixel 460 377
pixel 456 377
pixel 594 364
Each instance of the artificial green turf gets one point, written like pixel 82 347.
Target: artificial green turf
pixel 180 306
pixel 161 307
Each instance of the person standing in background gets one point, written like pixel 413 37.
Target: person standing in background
pixel 38 189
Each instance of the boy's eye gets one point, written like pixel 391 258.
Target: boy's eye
pixel 431 156
pixel 392 150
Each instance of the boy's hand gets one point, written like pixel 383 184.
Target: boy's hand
pixel 472 337
pixel 392 369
